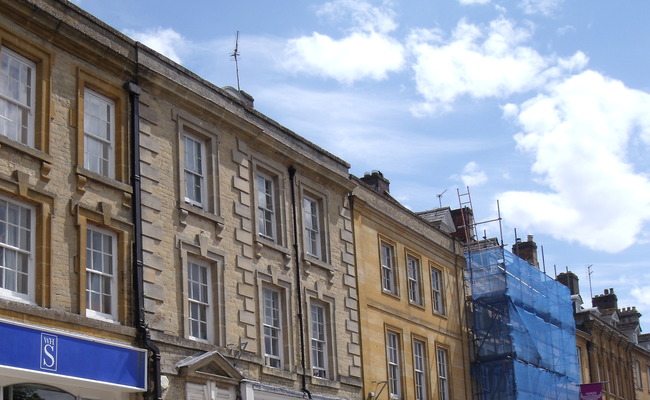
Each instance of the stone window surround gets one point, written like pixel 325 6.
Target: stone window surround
pixel 90 96
pixel 310 189
pixel 187 123
pixel 209 257
pixel 18 188
pixel 327 303
pixel 284 285
pixel 120 180
pixel 420 282
pixel 30 255
pixel 381 241
pixel 102 219
pixel 443 303
pixel 41 129
pixel 273 170
pixel 425 360
pixel 110 317
pixel 447 372
pixel 14 99
pixel 395 392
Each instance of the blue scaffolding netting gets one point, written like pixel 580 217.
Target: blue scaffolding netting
pixel 523 330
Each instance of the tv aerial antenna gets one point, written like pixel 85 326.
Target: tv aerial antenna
pixel 589 272
pixel 235 55
pixel 439 196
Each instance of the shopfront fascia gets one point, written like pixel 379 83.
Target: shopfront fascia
pixel 84 366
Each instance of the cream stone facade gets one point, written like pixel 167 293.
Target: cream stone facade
pixel 65 218
pixel 250 233
pixel 226 239
pixel 411 301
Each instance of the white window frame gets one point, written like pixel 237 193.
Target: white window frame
pixel 266 187
pixel 419 369
pixel 103 275
pixel 14 243
pixel 437 291
pixel 388 268
pixel 443 373
pixel 91 138
pixel 312 220
pixel 201 301
pixel 198 170
pixel 414 273
pixel 273 342
pixel 26 104
pixel 319 341
pixel 393 358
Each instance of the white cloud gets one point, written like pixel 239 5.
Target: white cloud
pixel 481 62
pixel 468 2
pixel 369 133
pixel 363 15
pixel 366 52
pixel 544 7
pixel 579 134
pixel 641 295
pixel 166 41
pixel 472 175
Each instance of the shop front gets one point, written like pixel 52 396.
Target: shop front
pixel 38 363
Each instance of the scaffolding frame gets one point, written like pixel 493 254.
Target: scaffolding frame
pixel 521 325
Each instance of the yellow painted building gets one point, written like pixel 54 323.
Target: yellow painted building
pixel 411 300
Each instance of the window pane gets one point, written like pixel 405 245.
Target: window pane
pixel 388 273
pixel 272 327
pixel 98 133
pixel 394 367
pixel 100 280
pixel 16 96
pixel 436 288
pixel 266 206
pixel 198 283
pixel 413 265
pixel 442 374
pixel 319 341
pixel 312 227
pixel 16 253
pixel 419 365
pixel 194 170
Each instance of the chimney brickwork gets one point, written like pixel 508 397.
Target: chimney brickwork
pixel 526 251
pixel 376 180
pixel 606 301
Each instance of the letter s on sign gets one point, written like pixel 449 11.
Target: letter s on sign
pixel 48 349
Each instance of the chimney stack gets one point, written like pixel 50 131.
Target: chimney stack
pixel 570 280
pixel 458 215
pixel 527 251
pixel 377 181
pixel 606 301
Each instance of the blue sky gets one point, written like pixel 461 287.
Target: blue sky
pixel 543 105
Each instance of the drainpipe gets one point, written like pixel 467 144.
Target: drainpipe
pixel 144 335
pixel 292 176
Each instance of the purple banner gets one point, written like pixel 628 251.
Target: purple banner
pixel 591 391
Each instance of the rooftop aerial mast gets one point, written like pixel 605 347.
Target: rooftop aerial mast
pixel 235 56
